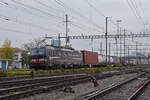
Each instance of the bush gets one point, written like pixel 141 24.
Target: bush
pixel 97 71
pixel 13 73
pixel 27 72
pixel 42 71
pixel 3 73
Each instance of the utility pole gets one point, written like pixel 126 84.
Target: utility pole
pixel 109 52
pixel 140 58
pixel 92 44
pixel 136 53
pixel 106 38
pixel 59 40
pixel 124 45
pixel 128 55
pixel 101 48
pixel 148 58
pixel 66 21
pixel 120 47
pixel 118 21
pixel 116 47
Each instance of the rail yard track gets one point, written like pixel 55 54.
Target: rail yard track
pixel 137 93
pixel 64 73
pixel 130 88
pixel 11 83
pixel 37 76
pixel 13 89
pixel 15 92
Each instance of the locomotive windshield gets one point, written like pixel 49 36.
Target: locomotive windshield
pixel 38 51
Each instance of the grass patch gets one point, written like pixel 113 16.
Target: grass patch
pixel 88 70
pixel 3 73
pixel 17 72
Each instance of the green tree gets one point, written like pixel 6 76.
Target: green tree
pixel 37 42
pixel 7 52
pixel 25 58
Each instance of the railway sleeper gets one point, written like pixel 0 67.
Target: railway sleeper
pixel 22 88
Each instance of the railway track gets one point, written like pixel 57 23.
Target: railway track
pixel 15 89
pixel 16 92
pixel 143 92
pixel 37 76
pixel 65 73
pixel 137 93
pixel 124 89
pixel 11 83
pixel 18 82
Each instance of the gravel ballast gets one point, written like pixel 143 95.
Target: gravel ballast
pixel 79 89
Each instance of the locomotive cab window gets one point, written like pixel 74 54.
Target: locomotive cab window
pixel 38 51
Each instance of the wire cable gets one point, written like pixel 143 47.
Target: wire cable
pixel 98 11
pixel 77 13
pixel 134 10
pixel 37 9
pixel 23 23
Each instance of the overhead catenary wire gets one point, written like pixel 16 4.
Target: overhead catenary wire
pixel 22 8
pixel 134 11
pixel 75 25
pixel 19 32
pixel 25 9
pixel 24 5
pixel 98 11
pixel 141 6
pixel 17 21
pixel 48 15
pixel 37 9
pixel 15 31
pixel 23 23
pixel 137 11
pixel 77 13
pixel 47 6
pixel 83 27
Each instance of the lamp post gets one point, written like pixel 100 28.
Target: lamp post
pixel 118 30
pixel 106 38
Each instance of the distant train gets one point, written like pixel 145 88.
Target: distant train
pixel 51 57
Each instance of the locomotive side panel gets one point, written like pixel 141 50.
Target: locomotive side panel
pixel 53 57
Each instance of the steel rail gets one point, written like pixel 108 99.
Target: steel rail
pixel 96 94
pixel 37 76
pixel 36 85
pixel 40 90
pixel 34 80
pixel 139 91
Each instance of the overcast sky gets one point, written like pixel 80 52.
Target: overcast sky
pixel 23 20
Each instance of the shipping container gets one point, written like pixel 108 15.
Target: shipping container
pixel 90 57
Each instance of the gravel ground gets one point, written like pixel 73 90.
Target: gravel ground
pixel 124 92
pixel 79 90
pixel 146 94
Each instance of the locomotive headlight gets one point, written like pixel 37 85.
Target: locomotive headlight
pixel 33 60
pixel 42 60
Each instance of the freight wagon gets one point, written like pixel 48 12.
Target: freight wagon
pixel 55 57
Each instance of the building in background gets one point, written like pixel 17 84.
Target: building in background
pixel 56 43
pixel 17 59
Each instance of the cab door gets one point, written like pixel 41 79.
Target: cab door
pixel 3 65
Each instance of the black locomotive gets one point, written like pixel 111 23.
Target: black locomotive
pixel 49 57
